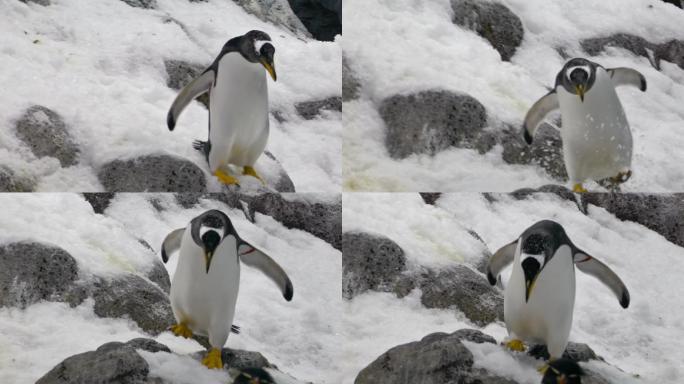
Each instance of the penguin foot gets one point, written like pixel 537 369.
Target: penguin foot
pixel 515 345
pixel 226 178
pixel 578 188
pixel 213 359
pixel 249 171
pixel 181 330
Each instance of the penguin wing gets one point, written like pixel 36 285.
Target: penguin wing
pixel 195 88
pixel 593 267
pixel 255 258
pixel 627 76
pixel 171 243
pixel 547 104
pixel 500 260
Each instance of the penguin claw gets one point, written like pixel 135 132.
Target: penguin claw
pixel 181 330
pixel 226 178
pixel 250 171
pixel 515 345
pixel 213 359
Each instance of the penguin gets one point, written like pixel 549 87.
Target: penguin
pixel 540 295
pixel 254 376
pixel 597 142
pixel 238 104
pixel 562 371
pixel 205 286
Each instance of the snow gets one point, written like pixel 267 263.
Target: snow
pixel 641 340
pixel 100 65
pixel 404 46
pixel 301 337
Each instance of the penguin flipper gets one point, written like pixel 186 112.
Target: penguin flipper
pixel 502 258
pixel 627 76
pixel 547 104
pixel 593 267
pixel 195 88
pixel 171 243
pixel 255 258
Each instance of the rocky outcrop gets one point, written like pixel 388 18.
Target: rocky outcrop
pixel 430 197
pixel 310 109
pixel 10 182
pixel 277 12
pixel 350 82
pixel 99 201
pixel 46 134
pixel 370 262
pixel 322 18
pixel 147 4
pixel 672 50
pixel 159 275
pixel 545 151
pixel 431 121
pixel 152 173
pixel 493 21
pixel 179 73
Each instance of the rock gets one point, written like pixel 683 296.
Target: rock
pixel 152 173
pixel 322 18
pixel 160 276
pixel 431 121
pixel 493 21
pixel 31 272
pixel 558 190
pixel 239 359
pixel 438 358
pixel 430 197
pixel 310 109
pixel 635 44
pixel 461 287
pixel 45 133
pixel 369 262
pixel 180 73
pixel 350 83
pixel 115 363
pixel 574 351
pixel 40 2
pixel 10 182
pixel 188 200
pixel 546 150
pixel 676 3
pixel 99 201
pixel 277 12
pixel 134 297
pixel 672 51
pixel 147 4
pixel 280 181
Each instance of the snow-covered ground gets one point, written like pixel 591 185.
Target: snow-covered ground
pixel 642 340
pixel 100 65
pixel 300 337
pixel 406 46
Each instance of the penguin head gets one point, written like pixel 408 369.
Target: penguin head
pixel 212 222
pixel 210 241
pixel 539 244
pixel 577 76
pixel 253 376
pixel 256 47
pixel 562 371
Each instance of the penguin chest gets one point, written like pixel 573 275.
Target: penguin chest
pixel 597 142
pixel 238 109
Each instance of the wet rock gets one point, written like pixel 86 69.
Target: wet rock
pixel 277 12
pixel 635 44
pixel 180 73
pixel 350 83
pixel 672 51
pixel 152 173
pixel 431 121
pixel 322 18
pixel 311 109
pixel 147 4
pixel 493 21
pixel 41 2
pixel 369 262
pixel 10 182
pixel 430 197
pixel 45 133
pixel 160 276
pixel 31 272
pixel 99 201
pixel 545 151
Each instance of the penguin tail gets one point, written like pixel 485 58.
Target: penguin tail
pixel 235 329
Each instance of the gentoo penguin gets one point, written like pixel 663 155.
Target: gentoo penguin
pixel 597 142
pixel 540 295
pixel 205 286
pixel 238 104
pixel 562 371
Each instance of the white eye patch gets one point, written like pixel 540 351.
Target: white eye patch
pixel 585 68
pixel 258 44
pixel 539 258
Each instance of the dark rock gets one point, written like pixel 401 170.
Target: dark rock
pixel 277 12
pixel 461 287
pixel 493 21
pixel 369 262
pixel 147 4
pixel 558 190
pixel 635 44
pixel 431 121
pixel 10 182
pixel 188 200
pixel 99 201
pixel 148 345
pixel 180 73
pixel 30 272
pixel 44 131
pixel 152 173
pixel 160 276
pixel 430 197
pixel 676 3
pixel 545 151
pixel 40 2
pixel 350 83
pixel 672 51
pixel 311 109
pixel 573 351
pixel 136 298
pixel 322 18
pixel 283 183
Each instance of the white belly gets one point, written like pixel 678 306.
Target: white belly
pixel 206 301
pixel 238 112
pixel 546 318
pixel 597 142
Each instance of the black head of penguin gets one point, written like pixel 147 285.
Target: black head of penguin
pixel 577 76
pixel 210 241
pixel 255 47
pixel 253 376
pixel 563 371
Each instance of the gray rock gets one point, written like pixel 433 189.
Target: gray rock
pixel 277 12
pixel 545 151
pixel 460 287
pixel 136 298
pixel 672 51
pixel 350 83
pixel 147 4
pixel 322 18
pixel 493 21
pixel 40 2
pixel 369 262
pixel 30 272
pixel 10 182
pixel 99 201
pixel 45 133
pixel 431 121
pixel 160 276
pixel 283 183
pixel 152 173
pixel 179 73
pixel 573 351
pixel 558 190
pixel 311 109
pixel 430 197
pixel 635 44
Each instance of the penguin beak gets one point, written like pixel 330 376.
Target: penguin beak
pixel 529 286
pixel 270 67
pixel 207 259
pixel 579 89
